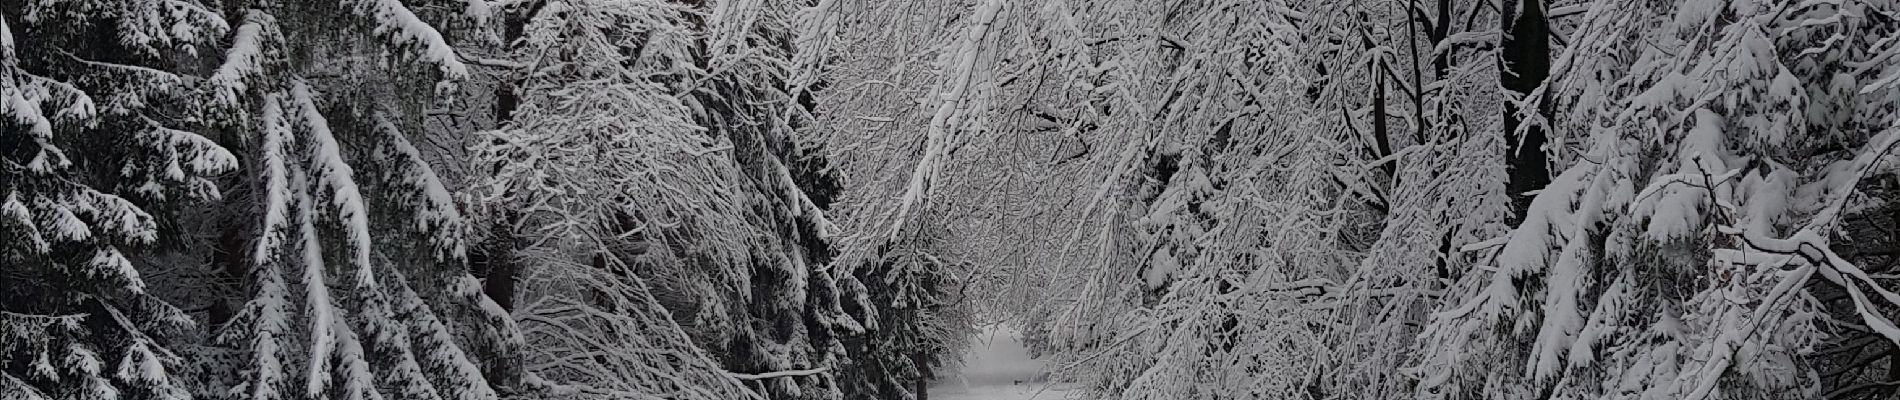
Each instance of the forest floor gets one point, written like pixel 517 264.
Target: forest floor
pixel 998 367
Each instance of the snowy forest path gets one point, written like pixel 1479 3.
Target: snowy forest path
pixel 999 367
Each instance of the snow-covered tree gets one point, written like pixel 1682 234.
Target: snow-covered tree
pixel 1696 244
pixel 1445 190
pixel 97 144
pixel 353 267
pixel 653 168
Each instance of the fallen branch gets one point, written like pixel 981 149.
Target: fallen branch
pixel 776 374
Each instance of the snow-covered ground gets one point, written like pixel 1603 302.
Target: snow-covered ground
pixel 998 367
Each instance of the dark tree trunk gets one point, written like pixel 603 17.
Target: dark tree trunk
pixel 923 374
pixel 1524 63
pixel 1381 132
pixel 495 263
pixel 496 260
pixel 1441 62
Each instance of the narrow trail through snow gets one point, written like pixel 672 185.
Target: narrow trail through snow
pixel 998 367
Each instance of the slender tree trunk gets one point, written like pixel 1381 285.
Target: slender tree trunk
pixel 1441 31
pixel 1524 63
pixel 1381 133
pixel 1419 127
pixel 921 360
pixel 497 262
